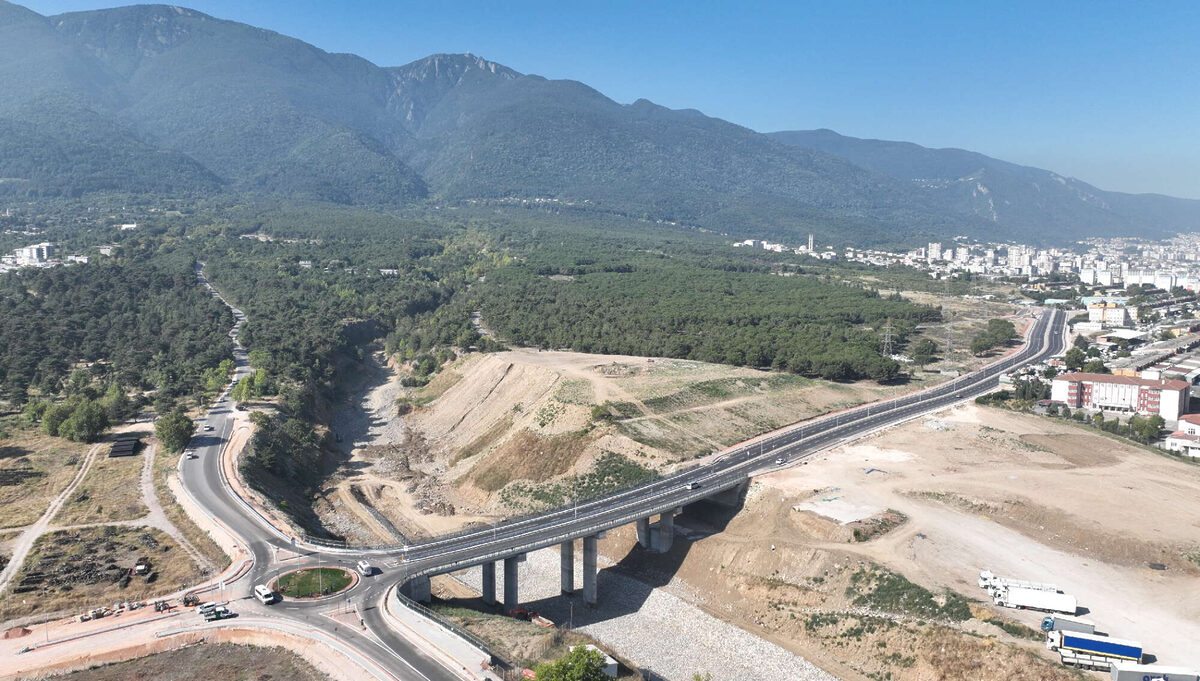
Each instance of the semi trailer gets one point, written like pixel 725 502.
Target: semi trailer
pixel 1091 651
pixel 1032 599
pixel 1132 671
pixel 991 582
pixel 1068 623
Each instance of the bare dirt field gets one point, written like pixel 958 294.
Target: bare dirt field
pixel 110 491
pixel 1024 496
pixel 34 468
pixel 493 434
pixel 225 661
pixel 75 570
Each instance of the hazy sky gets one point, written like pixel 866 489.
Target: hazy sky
pixel 1108 92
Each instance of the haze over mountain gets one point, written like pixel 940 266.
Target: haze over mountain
pixel 165 100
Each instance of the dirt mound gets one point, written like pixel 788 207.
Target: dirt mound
pixel 16 632
pixel 527 456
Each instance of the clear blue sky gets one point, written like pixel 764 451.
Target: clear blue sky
pixel 1105 91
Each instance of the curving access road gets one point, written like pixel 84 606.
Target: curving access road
pixel 203 479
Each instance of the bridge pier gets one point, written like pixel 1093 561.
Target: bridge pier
pixel 589 569
pixel 566 555
pixel 510 582
pixel 419 590
pixel 489 582
pixel 643 532
pixel 662 534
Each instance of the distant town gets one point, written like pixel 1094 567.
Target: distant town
pixel 1137 338
pixel 1116 262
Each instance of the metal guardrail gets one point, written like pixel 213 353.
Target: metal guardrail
pixel 455 629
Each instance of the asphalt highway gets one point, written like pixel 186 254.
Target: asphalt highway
pixel 730 469
pixel 203 479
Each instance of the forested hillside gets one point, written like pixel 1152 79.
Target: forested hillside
pixel 721 310
pixel 1021 199
pixel 165 101
pixel 136 324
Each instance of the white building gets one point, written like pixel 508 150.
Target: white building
pixel 1186 440
pixel 1108 313
pixel 33 255
pixel 1121 394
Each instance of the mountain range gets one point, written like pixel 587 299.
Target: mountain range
pixel 167 100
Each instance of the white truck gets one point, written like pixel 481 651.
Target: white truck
pixel 992 583
pixel 1090 651
pixel 1068 623
pixel 1032 599
pixel 1131 671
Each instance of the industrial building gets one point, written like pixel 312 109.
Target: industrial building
pixel 1122 394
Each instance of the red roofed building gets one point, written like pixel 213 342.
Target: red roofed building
pixel 1186 440
pixel 1125 394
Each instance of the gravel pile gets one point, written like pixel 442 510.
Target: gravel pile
pixel 668 636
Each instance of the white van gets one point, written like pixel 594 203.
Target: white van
pixel 264 595
pixel 364 568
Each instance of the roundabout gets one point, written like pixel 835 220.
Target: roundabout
pixel 314 583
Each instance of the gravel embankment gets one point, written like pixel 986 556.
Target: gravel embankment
pixel 668 636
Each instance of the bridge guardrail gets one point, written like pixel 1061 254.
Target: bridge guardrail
pixel 459 631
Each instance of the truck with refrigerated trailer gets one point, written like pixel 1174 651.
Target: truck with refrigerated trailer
pixel 1092 651
pixel 1068 623
pixel 1132 671
pixel 1031 599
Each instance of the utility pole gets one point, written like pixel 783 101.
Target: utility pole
pixel 887 338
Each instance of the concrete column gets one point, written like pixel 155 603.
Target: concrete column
pixel 489 582
pixel 419 590
pixel 510 583
pixel 643 532
pixel 566 554
pixel 589 569
pixel 664 532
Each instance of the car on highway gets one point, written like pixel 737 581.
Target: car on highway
pixel 692 485
pixel 208 429
pixel 780 461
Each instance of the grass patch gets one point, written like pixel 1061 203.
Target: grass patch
pixel 663 436
pixel 891 592
pixel 1017 630
pixel 610 473
pixel 530 456
pixel 34 468
pixel 522 642
pixel 484 441
pixel 869 528
pixel 74 570
pixel 437 386
pixel 313 582
pixel 718 389
pixel 111 490
pixel 575 391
